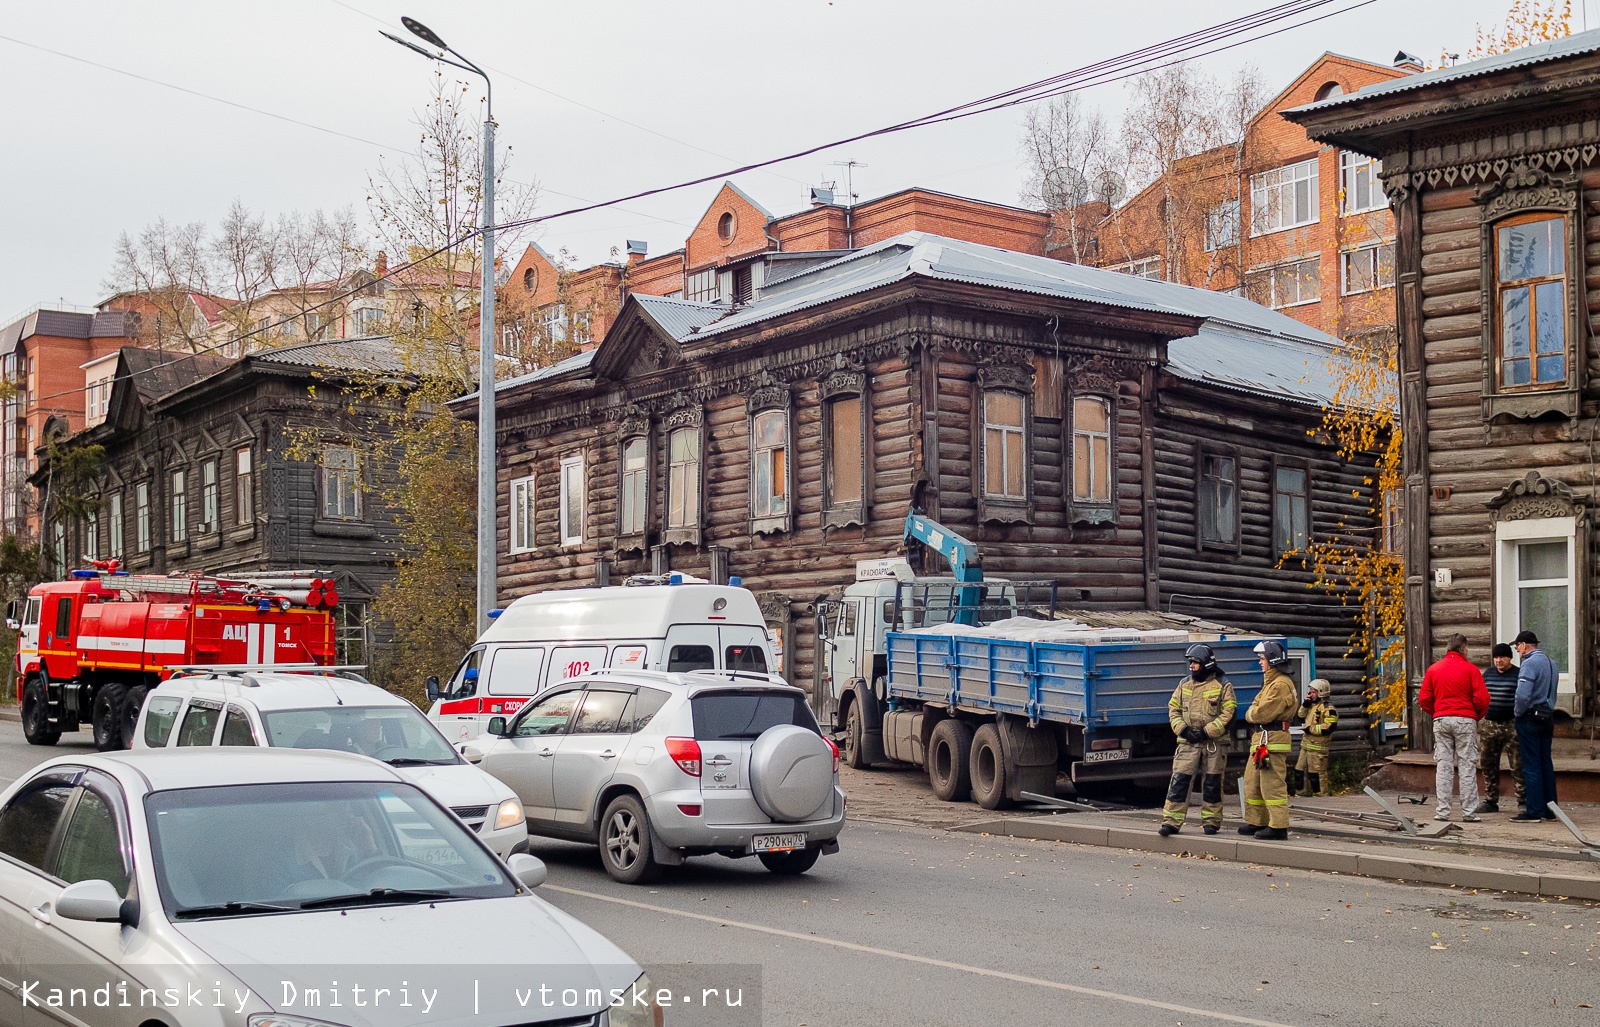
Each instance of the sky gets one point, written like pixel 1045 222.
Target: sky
pixel 596 100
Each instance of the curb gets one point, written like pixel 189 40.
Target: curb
pixel 11 713
pixel 1296 856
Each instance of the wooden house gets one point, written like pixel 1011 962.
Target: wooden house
pixel 1148 445
pixel 1493 170
pixel 244 466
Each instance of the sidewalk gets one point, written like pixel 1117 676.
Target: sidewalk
pixel 1496 855
pixel 1577 772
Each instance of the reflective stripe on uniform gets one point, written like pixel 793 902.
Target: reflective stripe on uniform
pixel 1256 802
pixel 1273 802
pixel 1278 746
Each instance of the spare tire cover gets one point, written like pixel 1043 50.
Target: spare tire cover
pixel 791 772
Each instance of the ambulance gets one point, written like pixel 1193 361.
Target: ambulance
pixel 670 623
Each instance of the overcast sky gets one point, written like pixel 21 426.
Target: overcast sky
pixel 608 97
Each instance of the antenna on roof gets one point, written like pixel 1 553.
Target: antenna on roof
pixel 849 166
pixel 1110 188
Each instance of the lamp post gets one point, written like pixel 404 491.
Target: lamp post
pixel 487 597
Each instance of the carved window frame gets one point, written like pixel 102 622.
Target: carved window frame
pixel 845 383
pixel 634 428
pixel 1094 380
pixel 1013 379
pixel 1203 450
pixel 691 418
pixel 1525 193
pixel 1304 467
pixel 771 397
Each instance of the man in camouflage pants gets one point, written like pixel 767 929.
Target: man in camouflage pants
pixel 1199 711
pixel 1497 731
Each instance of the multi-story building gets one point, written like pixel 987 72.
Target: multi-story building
pixel 1291 223
pixel 42 358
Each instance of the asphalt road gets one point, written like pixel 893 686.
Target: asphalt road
pixel 929 927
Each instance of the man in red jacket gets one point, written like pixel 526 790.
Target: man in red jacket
pixel 1454 695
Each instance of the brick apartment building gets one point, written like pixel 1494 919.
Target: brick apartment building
pixel 1293 224
pixel 735 248
pixel 42 358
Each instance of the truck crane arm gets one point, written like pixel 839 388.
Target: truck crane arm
pixel 965 562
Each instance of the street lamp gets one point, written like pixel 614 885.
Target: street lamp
pixel 487 597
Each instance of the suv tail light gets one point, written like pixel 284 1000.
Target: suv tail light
pixel 685 752
pixel 832 745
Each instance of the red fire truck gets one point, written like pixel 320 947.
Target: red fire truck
pixel 91 647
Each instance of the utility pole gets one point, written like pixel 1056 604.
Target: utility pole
pixel 488 590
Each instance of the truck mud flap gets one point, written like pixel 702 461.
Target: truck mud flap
pixel 871 723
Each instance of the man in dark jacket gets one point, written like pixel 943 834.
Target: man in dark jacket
pixel 1497 731
pixel 1453 694
pixel 1534 708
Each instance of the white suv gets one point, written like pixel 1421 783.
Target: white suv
pixel 326 709
pixel 655 766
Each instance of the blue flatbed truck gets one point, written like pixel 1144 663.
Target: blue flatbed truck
pixel 992 716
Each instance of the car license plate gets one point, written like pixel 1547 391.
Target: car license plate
pixel 778 842
pixel 1106 755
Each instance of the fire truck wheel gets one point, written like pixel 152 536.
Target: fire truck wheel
pixel 36 726
pixel 130 712
pixel 108 716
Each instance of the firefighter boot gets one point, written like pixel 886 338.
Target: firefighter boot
pixel 1315 787
pixel 1271 834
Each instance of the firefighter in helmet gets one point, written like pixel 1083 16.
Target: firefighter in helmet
pixel 1200 709
pixel 1318 718
pixel 1266 786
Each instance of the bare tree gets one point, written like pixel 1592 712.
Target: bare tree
pixel 1067 148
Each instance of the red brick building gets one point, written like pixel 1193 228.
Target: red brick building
pixel 1293 224
pixel 42 355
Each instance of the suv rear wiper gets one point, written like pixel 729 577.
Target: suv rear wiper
pixel 226 908
pixel 737 736
pixel 377 896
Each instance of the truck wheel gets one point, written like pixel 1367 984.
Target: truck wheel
pixel 625 842
pixel 790 864
pixel 854 758
pixel 989 768
pixel 130 713
pixel 948 770
pixel 36 726
pixel 108 716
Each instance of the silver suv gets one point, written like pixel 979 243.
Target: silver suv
pixel 656 766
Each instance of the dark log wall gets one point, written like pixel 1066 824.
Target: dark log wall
pixel 926 365
pixel 281 423
pixel 1470 459
pixel 1250 585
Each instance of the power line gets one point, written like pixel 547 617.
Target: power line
pixel 1112 69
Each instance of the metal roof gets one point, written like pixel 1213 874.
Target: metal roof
pixel 373 354
pixel 1239 345
pixel 1539 53
pixel 576 362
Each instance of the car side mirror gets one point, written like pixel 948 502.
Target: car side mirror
pixel 433 688
pixel 13 624
pixel 472 754
pixel 497 726
pixel 530 870
pixel 94 901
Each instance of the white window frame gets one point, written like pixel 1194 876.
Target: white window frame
pixel 340 484
pixel 1224 215
pixel 210 497
pixel 520 538
pixel 1268 211
pixel 178 525
pixel 91 535
pixel 1351 166
pixel 114 527
pixel 1144 267
pixel 572 478
pixel 630 499
pixel 141 516
pixel 553 319
pixel 702 286
pixel 244 486
pixel 684 482
pixel 1270 276
pixel 1508 535
pixel 366 320
pixel 1372 252
pixel 775 502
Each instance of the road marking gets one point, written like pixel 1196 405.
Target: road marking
pixel 945 964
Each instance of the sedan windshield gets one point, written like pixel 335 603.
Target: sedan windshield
pixel 242 850
pixel 400 735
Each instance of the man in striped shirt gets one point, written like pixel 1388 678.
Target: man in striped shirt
pixel 1497 731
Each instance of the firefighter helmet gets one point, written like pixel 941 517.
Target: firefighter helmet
pixel 1202 654
pixel 1273 652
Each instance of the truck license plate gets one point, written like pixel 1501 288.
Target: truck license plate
pixel 1106 755
pixel 778 842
